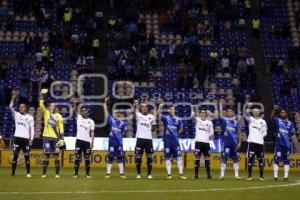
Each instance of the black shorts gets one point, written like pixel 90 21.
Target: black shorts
pixel 255 149
pixel 143 145
pixel 82 147
pixel 21 144
pixel 202 148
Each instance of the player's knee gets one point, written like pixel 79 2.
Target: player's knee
pixel 235 160
pixel 207 163
pixel 87 157
pixel 110 159
pixel 149 160
pixel 276 160
pixel 138 151
pixel 286 161
pixel 120 159
pixel 138 159
pixel 261 162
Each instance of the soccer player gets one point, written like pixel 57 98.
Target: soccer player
pixel 145 123
pixel 118 128
pixel 257 132
pixel 284 131
pixel 231 142
pixel 23 137
pixel 53 134
pixel 204 131
pixel 173 126
pixel 84 139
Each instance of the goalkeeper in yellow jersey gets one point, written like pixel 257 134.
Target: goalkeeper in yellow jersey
pixel 53 134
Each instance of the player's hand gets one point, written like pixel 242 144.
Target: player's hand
pixel 239 146
pixel 76 100
pixel 136 102
pixel 92 146
pixel 160 106
pixel 106 99
pixel 30 142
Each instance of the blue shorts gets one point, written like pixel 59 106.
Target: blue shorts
pixel 282 154
pixel 115 150
pixel 172 151
pixel 230 152
pixel 50 146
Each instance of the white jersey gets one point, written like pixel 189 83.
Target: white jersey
pixel 144 125
pixel 84 128
pixel 257 130
pixel 204 130
pixel 24 124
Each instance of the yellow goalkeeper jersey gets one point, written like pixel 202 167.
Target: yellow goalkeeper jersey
pixel 53 123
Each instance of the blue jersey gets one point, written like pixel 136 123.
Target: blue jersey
pixel 172 126
pixel 230 129
pixel 117 127
pixel 284 129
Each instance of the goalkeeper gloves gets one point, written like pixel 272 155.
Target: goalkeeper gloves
pixel 61 144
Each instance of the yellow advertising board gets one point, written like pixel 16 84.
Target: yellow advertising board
pixel 36 158
pixel 215 161
pixel 269 162
pixel 99 159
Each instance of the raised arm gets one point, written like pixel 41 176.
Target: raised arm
pixel 160 107
pixel 273 113
pixel 135 107
pixel 105 106
pixel 11 105
pixel 41 101
pixel 75 107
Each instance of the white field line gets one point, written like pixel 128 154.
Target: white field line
pixel 295 183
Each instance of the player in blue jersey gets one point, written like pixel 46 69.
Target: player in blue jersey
pixel 173 126
pixel 231 142
pixel 118 128
pixel 284 131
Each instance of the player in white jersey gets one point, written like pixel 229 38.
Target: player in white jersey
pixel 24 133
pixel 204 132
pixel 257 132
pixel 145 124
pixel 84 139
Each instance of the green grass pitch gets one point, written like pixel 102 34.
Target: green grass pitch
pixel 66 187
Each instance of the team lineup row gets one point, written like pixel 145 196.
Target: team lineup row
pixel 53 138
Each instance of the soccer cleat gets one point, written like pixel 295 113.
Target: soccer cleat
pixel 123 176
pixel 196 177
pixel 138 176
pixel 169 177
pixel 286 179
pixel 249 179
pixel 275 179
pixel 57 176
pixel 237 178
pixel 75 176
pixel 261 179
pixel 149 176
pixel 209 177
pixel 44 176
pixel 107 176
pixel 221 177
pixel 13 174
pixel 182 177
pixel 88 176
pixel 28 175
